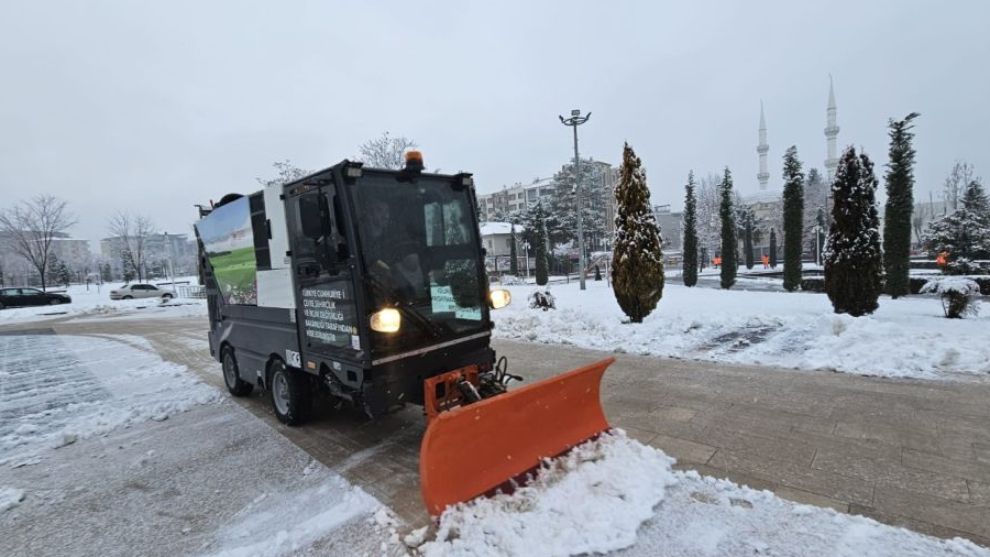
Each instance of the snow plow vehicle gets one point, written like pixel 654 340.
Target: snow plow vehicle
pixel 368 285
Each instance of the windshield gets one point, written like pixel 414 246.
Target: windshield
pixel 421 254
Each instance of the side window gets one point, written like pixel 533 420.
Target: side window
pixel 259 230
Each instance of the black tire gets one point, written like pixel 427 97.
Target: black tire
pixel 231 377
pixel 127 298
pixel 166 297
pixel 289 392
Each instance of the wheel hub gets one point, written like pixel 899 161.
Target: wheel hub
pixel 280 392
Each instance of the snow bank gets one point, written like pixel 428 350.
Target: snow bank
pixel 907 337
pixel 617 495
pixel 97 303
pixel 58 389
pixel 591 500
pixel 10 497
pixel 706 516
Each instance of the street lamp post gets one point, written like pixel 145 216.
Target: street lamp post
pixel 574 121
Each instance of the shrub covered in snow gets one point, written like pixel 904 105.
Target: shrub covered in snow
pixel 958 295
pixel 965 266
pixel 542 299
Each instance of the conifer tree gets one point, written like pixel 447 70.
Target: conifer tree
pixel 637 262
pixel 963 234
pixel 729 242
pixel 513 261
pixel 773 248
pixel 690 226
pixel 793 219
pixel 900 205
pixel 853 258
pixel 748 239
pixel 541 245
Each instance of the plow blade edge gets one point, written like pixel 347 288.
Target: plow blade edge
pixel 474 449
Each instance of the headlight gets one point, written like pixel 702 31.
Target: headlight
pixel 386 320
pixel 499 298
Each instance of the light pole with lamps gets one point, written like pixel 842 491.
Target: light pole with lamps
pixel 574 121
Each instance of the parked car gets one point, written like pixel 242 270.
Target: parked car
pixel 15 297
pixel 129 291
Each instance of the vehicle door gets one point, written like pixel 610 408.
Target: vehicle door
pixel 10 297
pixel 33 297
pixel 323 263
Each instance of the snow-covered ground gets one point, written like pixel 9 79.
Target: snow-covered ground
pixel 95 302
pixel 55 390
pixel 106 449
pixel 616 495
pixel 907 337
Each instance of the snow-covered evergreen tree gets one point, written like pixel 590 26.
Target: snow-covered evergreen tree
pixel 727 214
pixel 563 203
pixel 637 262
pixel 793 219
pixel 690 225
pixel 853 258
pixel 773 248
pixel 900 203
pixel 540 245
pixel 965 233
pixel 513 255
pixel 748 219
pixel 815 197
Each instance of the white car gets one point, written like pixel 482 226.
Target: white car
pixel 130 291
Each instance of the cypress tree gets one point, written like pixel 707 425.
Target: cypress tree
pixel 690 226
pixel 853 258
pixel 637 263
pixel 748 238
pixel 793 219
pixel 541 246
pixel 513 261
pixel 900 204
pixel 729 242
pixel 773 248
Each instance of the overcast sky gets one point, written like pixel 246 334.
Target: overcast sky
pixel 153 107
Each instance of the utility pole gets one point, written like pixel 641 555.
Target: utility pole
pixel 574 121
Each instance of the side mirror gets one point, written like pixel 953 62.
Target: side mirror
pixel 311 216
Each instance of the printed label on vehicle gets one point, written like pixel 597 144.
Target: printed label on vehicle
pixel 293 358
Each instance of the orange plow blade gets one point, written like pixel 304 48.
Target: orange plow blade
pixel 473 449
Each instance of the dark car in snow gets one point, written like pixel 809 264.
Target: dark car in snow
pixel 17 297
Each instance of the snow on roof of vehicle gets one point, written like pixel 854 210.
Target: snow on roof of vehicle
pixel 492 228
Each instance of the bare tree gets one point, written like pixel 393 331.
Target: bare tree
pixel 285 172
pixel 709 223
pixel 955 183
pixel 133 232
pixel 385 151
pixel 32 225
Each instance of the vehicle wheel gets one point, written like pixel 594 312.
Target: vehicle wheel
pixel 289 393
pixel 236 385
pixel 166 297
pixel 127 298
